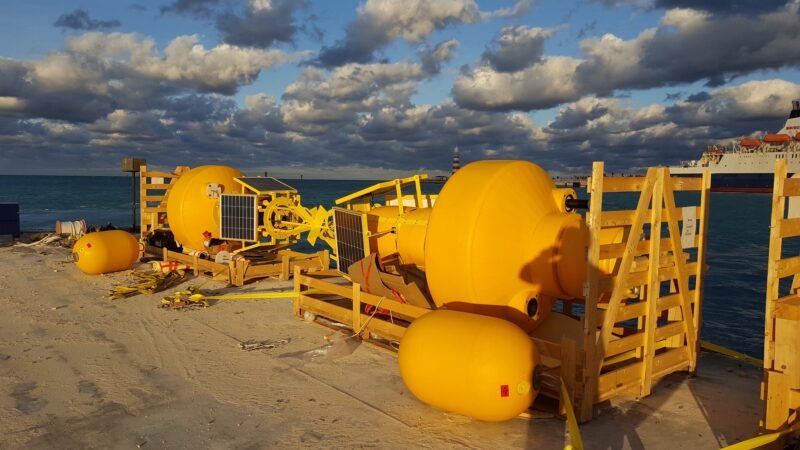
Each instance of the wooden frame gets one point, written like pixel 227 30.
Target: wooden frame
pixel 153 189
pixel 615 356
pixel 780 387
pixel 620 358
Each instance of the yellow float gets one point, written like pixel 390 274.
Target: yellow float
pixel 478 366
pixel 105 251
pixel 193 204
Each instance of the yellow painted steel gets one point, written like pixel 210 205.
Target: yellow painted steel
pixel 411 230
pixel 497 239
pixel 477 366
pixel 105 251
pixel 381 222
pixel 192 204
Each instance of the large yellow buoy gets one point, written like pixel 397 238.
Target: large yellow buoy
pixel 193 203
pixel 500 243
pixel 478 366
pixel 105 251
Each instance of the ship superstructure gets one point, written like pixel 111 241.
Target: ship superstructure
pixel 748 165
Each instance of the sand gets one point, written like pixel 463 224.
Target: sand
pixel 79 371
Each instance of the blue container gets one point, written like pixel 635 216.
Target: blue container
pixel 9 219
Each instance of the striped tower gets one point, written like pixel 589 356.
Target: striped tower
pixel 456 161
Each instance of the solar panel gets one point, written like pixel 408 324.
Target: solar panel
pixel 238 219
pixel 349 227
pixel 266 184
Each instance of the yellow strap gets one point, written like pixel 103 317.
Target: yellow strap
pixel 732 353
pixel 764 439
pixel 258 295
pixel 572 422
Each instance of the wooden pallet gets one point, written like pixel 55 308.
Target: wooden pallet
pixel 780 388
pixel 153 189
pixel 240 271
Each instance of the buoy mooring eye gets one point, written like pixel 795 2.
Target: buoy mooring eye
pixel 538 371
pixel 533 307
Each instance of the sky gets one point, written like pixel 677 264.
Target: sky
pixel 375 89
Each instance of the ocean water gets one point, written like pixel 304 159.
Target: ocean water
pixel 733 310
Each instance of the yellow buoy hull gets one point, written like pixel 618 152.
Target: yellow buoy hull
pixel 478 366
pixel 193 203
pixel 105 251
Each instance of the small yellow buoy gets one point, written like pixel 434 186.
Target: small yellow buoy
pixel 105 251
pixel 478 366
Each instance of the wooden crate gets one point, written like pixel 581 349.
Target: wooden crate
pixel 780 388
pixel 153 189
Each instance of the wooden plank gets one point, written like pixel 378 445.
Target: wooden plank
pixel 653 286
pixel 591 359
pixel 682 271
pixel 297 289
pixel 686 183
pixel 356 308
pixel 702 242
pixel 775 248
pixel 609 251
pixel 638 309
pixel 789 228
pixel 625 217
pixel 628 343
pixel 152 198
pixel 612 383
pixel 791 186
pixel 159 174
pixel 787 266
pixel 568 356
pixel 624 184
pixel 620 286
pixel 159 186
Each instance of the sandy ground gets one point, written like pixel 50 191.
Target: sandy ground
pixel 79 371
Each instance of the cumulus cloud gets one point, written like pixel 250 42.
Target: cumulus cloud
pixel 380 22
pixel 99 73
pixel 432 58
pixel 263 23
pixel 656 57
pixel 196 8
pixel 517 47
pixel 80 20
pixel 715 6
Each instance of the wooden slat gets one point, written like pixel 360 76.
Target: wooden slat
pixel 682 272
pixel 653 289
pixel 612 383
pixel 158 174
pixel 633 341
pixel 638 309
pixel 609 251
pixel 791 186
pixel 592 362
pixel 788 266
pixel 686 183
pixel 160 186
pixel 789 228
pixel 623 184
pixel 606 283
pixel 625 217
pixel 775 251
pixel 152 198
pixel 154 209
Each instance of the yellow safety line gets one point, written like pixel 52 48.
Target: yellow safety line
pixel 259 295
pixel 576 442
pixel 732 353
pixel 764 439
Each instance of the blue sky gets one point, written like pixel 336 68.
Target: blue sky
pixel 378 88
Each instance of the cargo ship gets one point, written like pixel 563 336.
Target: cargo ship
pixel 749 165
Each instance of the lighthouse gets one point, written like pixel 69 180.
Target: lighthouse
pixel 456 161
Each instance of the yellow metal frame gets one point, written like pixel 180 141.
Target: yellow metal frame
pixel 362 200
